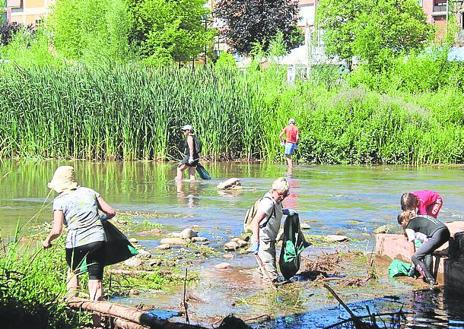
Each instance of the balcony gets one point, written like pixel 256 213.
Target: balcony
pixel 439 9
pixel 14 4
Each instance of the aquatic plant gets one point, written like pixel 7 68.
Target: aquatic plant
pixel 133 112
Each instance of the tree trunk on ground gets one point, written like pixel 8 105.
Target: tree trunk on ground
pixel 130 315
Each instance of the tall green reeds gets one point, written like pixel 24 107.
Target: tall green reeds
pixel 134 112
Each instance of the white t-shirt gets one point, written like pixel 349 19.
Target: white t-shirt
pixel 415 236
pixel 269 226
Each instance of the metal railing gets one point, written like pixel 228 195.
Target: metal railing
pixel 439 8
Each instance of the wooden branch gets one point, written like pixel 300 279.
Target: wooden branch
pixel 129 314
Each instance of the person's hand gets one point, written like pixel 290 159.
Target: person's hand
pixel 254 247
pixel 190 160
pixel 103 217
pixel 46 244
pixel 289 212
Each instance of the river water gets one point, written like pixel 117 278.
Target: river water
pixel 349 200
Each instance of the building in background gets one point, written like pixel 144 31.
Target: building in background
pixel 27 12
pixel 439 12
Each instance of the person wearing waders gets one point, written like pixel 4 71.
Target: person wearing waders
pixel 266 226
pixel 191 155
pixel 436 232
pixel 82 211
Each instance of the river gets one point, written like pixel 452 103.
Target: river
pixel 349 200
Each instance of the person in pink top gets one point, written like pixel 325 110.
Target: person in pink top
pixel 291 140
pixel 426 202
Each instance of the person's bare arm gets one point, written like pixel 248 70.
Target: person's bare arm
pixel 57 228
pixel 281 135
pixel 256 221
pixel 106 208
pixel 190 145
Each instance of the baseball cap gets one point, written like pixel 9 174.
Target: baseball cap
pixel 291 121
pixel 187 127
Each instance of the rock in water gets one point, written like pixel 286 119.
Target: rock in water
pixel 336 238
pixel 174 241
pixel 231 246
pixel 133 262
pixel 229 184
pixel 222 266
pixel 383 229
pixel 188 233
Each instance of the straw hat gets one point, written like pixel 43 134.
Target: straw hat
pixel 63 179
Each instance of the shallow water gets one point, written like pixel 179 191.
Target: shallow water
pixel 349 200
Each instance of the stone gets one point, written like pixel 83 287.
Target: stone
pixel 228 256
pixel 336 238
pixel 174 241
pixel 133 262
pixel 188 233
pixel 143 254
pixel 231 246
pixel 222 266
pixel 384 229
pixel 231 183
pixel 305 226
pixel 164 246
pixel 199 239
pixel 133 240
pixel 241 243
pixel 134 292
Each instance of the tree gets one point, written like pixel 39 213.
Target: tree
pixel 167 30
pixel 372 30
pixel 90 30
pixel 251 21
pixel 7 31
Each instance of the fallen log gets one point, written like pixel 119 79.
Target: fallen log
pixel 129 314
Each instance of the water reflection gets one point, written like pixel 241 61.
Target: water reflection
pixel 429 309
pixel 189 194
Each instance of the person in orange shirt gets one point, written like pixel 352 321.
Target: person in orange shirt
pixel 291 140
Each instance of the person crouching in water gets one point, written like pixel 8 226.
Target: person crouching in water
pixel 79 208
pixel 191 155
pixel 436 232
pixel 266 226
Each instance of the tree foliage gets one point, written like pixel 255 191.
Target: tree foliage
pixel 7 31
pixel 251 21
pixel 90 30
pixel 372 30
pixel 166 30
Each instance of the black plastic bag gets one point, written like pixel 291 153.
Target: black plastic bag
pixel 202 172
pixel 117 246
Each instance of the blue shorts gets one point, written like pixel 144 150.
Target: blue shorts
pixel 290 148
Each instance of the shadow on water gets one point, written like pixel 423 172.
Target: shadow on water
pixel 423 309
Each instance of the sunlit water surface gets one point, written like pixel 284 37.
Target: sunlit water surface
pixel 349 200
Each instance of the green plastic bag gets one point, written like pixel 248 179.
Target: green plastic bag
pixel 292 245
pixel 203 172
pixel 398 268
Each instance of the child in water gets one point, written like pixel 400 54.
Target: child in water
pixel 436 234
pixel 425 202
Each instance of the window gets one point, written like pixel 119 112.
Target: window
pixel 306 15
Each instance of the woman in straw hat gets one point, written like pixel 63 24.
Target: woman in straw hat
pixel 81 210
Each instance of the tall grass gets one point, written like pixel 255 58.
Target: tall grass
pixel 32 287
pixel 133 112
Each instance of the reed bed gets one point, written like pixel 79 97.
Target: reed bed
pixel 132 112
